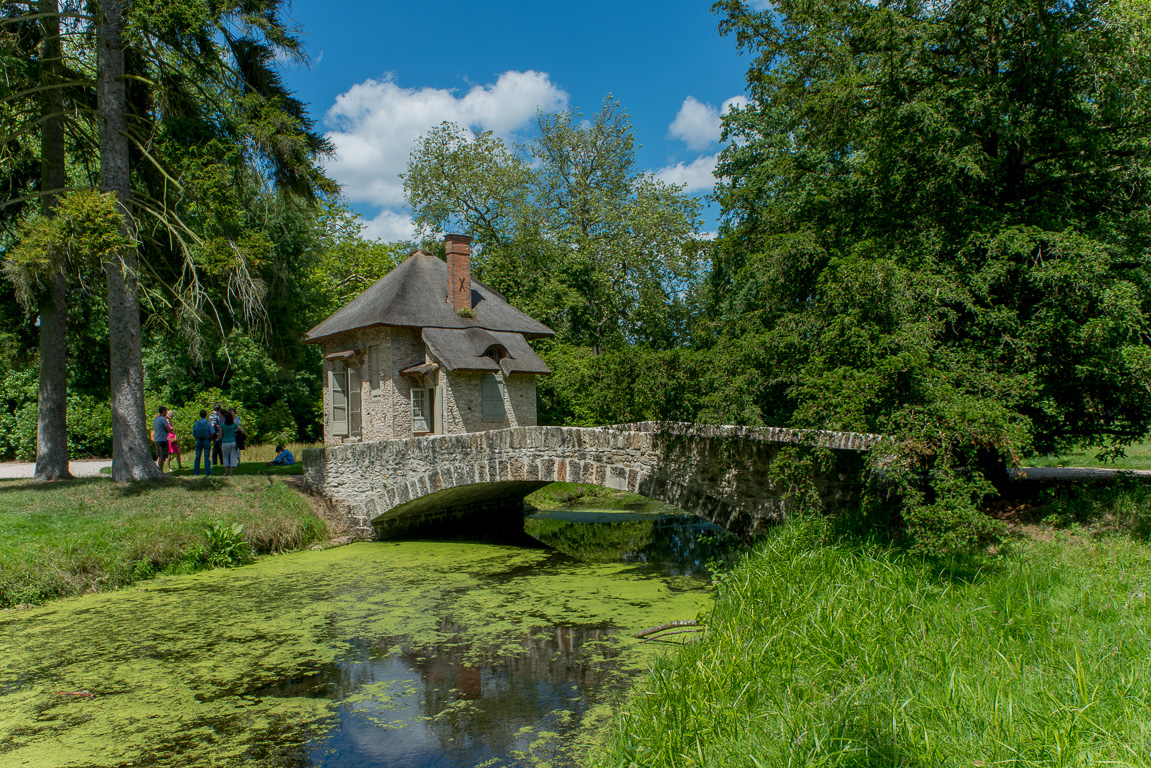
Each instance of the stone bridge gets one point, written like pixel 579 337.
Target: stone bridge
pixel 722 474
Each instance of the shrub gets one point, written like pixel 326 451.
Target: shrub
pixel 226 546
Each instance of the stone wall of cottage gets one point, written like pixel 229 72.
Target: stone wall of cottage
pixel 385 395
pixel 464 406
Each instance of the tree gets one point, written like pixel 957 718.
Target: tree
pixel 222 81
pixel 935 226
pixel 566 228
pixel 131 452
pixel 52 419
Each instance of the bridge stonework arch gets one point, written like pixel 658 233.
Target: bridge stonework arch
pixel 719 473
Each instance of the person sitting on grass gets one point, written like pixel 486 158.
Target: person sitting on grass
pixel 283 458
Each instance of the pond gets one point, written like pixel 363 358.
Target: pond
pixel 406 654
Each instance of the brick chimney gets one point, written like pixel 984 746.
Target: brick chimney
pixel 459 248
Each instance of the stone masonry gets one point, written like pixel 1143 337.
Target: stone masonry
pixel 386 396
pixel 720 473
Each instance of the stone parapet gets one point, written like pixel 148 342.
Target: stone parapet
pixel 720 473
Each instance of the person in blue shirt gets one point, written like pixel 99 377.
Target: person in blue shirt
pixel 205 433
pixel 283 458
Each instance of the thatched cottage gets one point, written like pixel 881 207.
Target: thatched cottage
pixel 428 350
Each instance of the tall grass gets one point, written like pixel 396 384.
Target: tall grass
pixel 80 536
pixel 853 655
pixel 1101 507
pixel 1136 456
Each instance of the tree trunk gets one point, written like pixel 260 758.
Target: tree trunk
pixel 52 418
pixel 131 447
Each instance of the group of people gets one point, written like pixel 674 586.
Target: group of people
pixel 219 439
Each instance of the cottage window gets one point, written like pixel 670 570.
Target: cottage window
pixel 493 396
pixel 344 383
pixel 421 410
pixel 338 385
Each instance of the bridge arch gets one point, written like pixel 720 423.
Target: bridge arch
pixel 721 474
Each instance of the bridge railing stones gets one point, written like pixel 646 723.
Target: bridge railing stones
pixel 721 473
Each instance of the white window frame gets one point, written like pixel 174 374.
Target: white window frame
pixel 422 413
pixel 492 397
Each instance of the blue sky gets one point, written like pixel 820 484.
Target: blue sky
pixel 383 73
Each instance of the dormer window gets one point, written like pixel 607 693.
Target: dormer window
pixel 496 352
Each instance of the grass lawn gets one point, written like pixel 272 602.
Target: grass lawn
pixel 581 495
pixel 1138 457
pixel 851 654
pixel 246 468
pixel 254 461
pixel 60 539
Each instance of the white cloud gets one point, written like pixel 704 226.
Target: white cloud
pixel 698 124
pixel 698 175
pixel 390 226
pixel 375 124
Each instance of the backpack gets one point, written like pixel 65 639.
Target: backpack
pixel 202 430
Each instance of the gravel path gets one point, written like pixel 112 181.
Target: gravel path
pixel 10 470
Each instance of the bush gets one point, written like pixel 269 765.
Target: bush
pixel 276 425
pixel 226 546
pixel 186 414
pixel 89 427
pixel 18 391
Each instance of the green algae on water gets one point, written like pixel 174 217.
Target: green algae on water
pixel 228 667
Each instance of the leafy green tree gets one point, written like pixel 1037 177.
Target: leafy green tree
pixel 183 93
pixel 936 227
pixel 567 228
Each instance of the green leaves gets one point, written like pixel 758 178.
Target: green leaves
pixel 84 232
pixel 566 228
pixel 938 217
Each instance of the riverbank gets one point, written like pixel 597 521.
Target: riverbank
pixel 89 535
pixel 854 654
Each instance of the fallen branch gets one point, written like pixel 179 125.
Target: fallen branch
pixel 654 638
pixel 669 625
pixel 83 694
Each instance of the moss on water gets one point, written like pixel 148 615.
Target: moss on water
pixel 213 668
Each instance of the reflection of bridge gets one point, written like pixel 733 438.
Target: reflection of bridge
pixel 722 474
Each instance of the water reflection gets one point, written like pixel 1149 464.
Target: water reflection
pixel 658 537
pixel 453 705
pixel 519 704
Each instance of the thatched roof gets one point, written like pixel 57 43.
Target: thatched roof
pixel 466 350
pixel 415 295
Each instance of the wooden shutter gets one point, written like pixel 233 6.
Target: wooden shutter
pixel 355 393
pixel 375 380
pixel 493 395
pixel 339 398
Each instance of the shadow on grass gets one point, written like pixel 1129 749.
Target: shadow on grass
pixel 251 468
pixel 190 483
pixel 22 484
